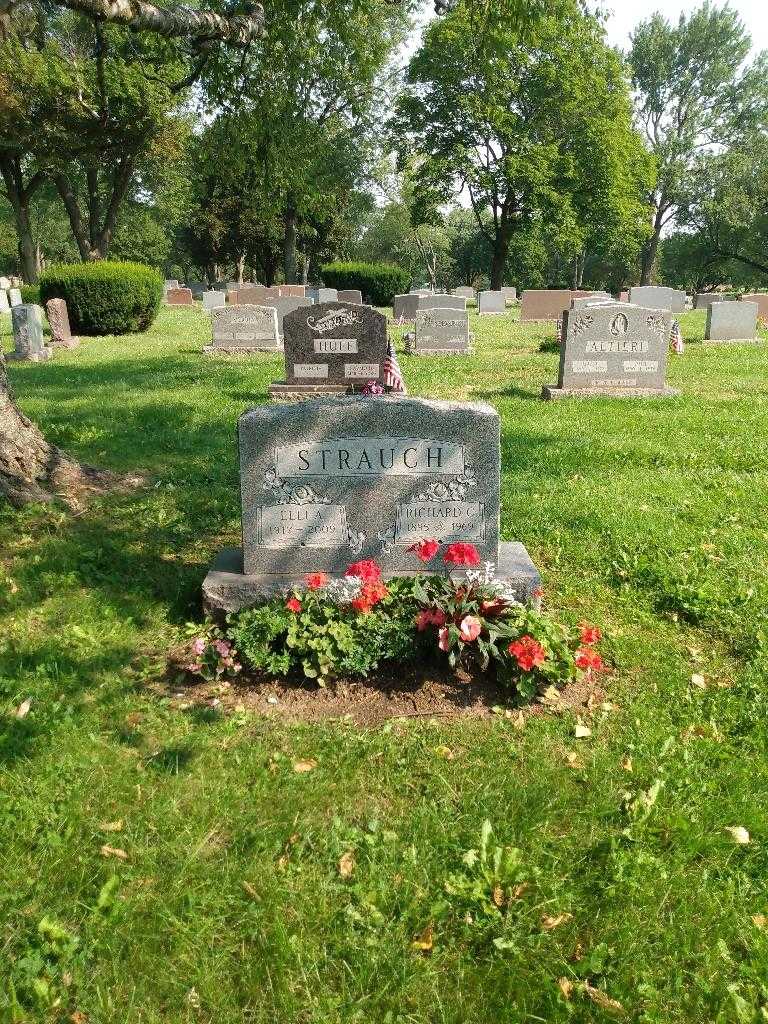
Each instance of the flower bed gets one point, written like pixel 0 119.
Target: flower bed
pixel 332 628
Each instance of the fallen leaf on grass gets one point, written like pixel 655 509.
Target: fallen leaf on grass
pixel 698 680
pixel 498 896
pixel 566 987
pixel 739 835
pixel 548 924
pixel 251 891
pixel 602 1000
pixel 111 826
pixel 347 864
pixel 305 766
pixel 426 940
pixel 113 851
pixel 78 1017
pixel 23 709
pixel 582 732
pixel 572 758
pixel 626 763
pixel 760 921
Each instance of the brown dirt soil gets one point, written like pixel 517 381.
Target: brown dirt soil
pixel 419 693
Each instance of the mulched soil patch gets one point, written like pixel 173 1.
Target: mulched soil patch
pixel 420 693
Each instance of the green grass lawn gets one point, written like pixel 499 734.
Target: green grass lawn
pixel 647 517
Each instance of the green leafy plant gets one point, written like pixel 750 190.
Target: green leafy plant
pixel 30 293
pixel 105 297
pixel 379 282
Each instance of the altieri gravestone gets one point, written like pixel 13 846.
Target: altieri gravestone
pixel 440 332
pixel 613 349
pixel 244 329
pixel 333 349
pixel 326 483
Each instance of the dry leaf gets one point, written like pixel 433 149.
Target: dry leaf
pixel 548 924
pixel 760 921
pixel 134 719
pixel 78 1017
pixel 498 896
pixel 626 763
pixel 572 758
pixel 602 1000
pixel 113 851
pixel 111 826
pixel 739 835
pixel 582 732
pixel 426 940
pixel 698 680
pixel 23 709
pixel 566 987
pixel 520 890
pixel 248 888
pixel 347 864
pixel 305 766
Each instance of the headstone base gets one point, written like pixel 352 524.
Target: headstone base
pixel 552 393
pixel 227 589
pixel 411 350
pixel 212 350
pixel 732 341
pixel 280 391
pixel 35 357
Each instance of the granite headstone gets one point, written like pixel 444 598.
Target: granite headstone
pixel 58 320
pixel 14 296
pixel 179 297
pixel 465 292
pixel 286 304
pixel 761 299
pixel 732 321
pixel 242 328
pixel 442 301
pixel 544 303
pixel 5 305
pixel 405 306
pixel 351 295
pixel 440 332
pixel 613 349
pixel 27 320
pixel 213 300
pixel 657 297
pixel 491 302
pixel 509 293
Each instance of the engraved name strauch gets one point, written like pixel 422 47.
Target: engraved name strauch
pixel 371 456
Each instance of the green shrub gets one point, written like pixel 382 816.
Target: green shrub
pixel 379 282
pixel 104 297
pixel 30 293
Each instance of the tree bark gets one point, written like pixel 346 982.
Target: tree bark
pixel 19 197
pixel 31 469
pixel 651 249
pixel 289 246
pixel 500 253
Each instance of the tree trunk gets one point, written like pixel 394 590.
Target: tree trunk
pixel 500 254
pixel 19 197
pixel 651 249
pixel 31 469
pixel 289 246
pixel 240 270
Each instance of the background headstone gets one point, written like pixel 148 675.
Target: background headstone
pixel 213 299
pixel 27 320
pixel 14 296
pixel 5 283
pixel 241 328
pixel 327 295
pixel 439 300
pixel 732 321
pixel 252 295
pixel 405 306
pixel 286 304
pixel 613 349
pixel 544 303
pixel 179 297
pixel 441 332
pixel 58 320
pixel 5 305
pixel 465 292
pixel 491 302
pixel 589 300
pixel 760 299
pixel 509 293
pixel 352 295
pixel 334 344
pixel 656 297
pixel 703 300
pixel 291 291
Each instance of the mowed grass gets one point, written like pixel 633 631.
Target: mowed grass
pixel 647 517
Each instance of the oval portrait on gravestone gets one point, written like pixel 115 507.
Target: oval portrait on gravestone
pixel 619 325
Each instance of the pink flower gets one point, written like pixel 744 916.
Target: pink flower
pixel 430 617
pixel 588 660
pixel 470 629
pixel 461 554
pixel 443 641
pixel 198 646
pixel 425 550
pixel 223 648
pixel 196 667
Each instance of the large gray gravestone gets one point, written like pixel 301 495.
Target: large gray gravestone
pixel 732 321
pixel 440 332
pixel 327 483
pixel 14 296
pixel 613 349
pixel 465 292
pixel 442 301
pixel 509 293
pixel 591 300
pixel 331 348
pixel 28 334
pixel 213 300
pixel 5 305
pixel 405 306
pixel 656 297
pixel 58 320
pixel 491 302
pixel 352 295
pixel 285 305
pixel 244 329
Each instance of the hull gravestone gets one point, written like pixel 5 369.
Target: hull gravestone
pixel 326 483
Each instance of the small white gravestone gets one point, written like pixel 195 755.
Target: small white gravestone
pixel 28 334
pixel 491 302
pixel 14 296
pixel 5 305
pixel 213 300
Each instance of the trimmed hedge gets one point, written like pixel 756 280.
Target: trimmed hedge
pixel 379 282
pixel 105 297
pixel 30 293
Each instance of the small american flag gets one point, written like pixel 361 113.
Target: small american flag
pixel 393 378
pixel 676 338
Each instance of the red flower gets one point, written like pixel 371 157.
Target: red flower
pixel 316 580
pixel 461 554
pixel 293 604
pixel 527 652
pixel 425 550
pixel 361 605
pixel 588 660
pixel 590 634
pixel 443 641
pixel 430 617
pixel 470 629
pixel 538 592
pixel 366 571
pixel 370 594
